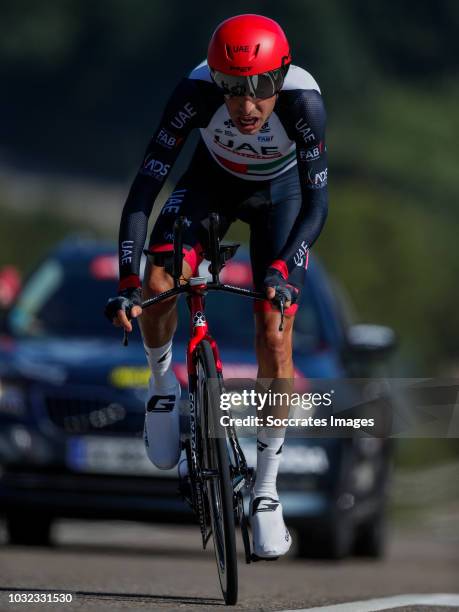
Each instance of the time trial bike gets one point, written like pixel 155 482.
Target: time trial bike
pixel 218 473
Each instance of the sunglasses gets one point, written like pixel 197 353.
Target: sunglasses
pixel 264 85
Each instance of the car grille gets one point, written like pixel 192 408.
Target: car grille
pixel 79 415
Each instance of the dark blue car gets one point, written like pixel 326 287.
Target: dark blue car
pixel 72 406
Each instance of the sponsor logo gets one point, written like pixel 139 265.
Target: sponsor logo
pixel 164 357
pixel 318 180
pixel 265 138
pixel 301 255
pixel 183 116
pixel 126 251
pixel 264 504
pixel 199 319
pixel 161 403
pixel 261 445
pixel 168 236
pixel 312 153
pixel 225 132
pixel 228 132
pixel 240 48
pixel 193 427
pixel 265 128
pixel 174 202
pixel 155 168
pixel 304 130
pixel 246 149
pixel 167 140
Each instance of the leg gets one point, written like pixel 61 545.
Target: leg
pixel 192 198
pixel 158 324
pixel 269 232
pixel 274 356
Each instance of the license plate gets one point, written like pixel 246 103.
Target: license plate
pixel 125 456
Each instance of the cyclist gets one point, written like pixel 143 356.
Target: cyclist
pixel 261 158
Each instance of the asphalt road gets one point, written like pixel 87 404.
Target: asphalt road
pixel 120 566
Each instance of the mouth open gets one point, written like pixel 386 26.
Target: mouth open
pixel 247 124
pixel 248 120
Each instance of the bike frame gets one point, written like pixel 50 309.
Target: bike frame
pixel 199 326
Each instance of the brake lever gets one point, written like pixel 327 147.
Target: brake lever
pixel 280 301
pixel 281 308
pixel 125 333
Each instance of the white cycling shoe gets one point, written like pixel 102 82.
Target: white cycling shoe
pixel 162 426
pixel 271 538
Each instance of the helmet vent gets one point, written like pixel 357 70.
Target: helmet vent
pixel 229 53
pixel 255 52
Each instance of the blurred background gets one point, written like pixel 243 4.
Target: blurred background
pixel 83 86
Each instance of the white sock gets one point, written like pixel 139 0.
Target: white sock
pixel 269 453
pixel 160 360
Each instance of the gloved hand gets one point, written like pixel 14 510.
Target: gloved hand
pixel 125 306
pixel 277 288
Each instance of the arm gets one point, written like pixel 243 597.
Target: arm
pixel 180 116
pixel 307 128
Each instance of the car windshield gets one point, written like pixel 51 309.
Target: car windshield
pixel 66 299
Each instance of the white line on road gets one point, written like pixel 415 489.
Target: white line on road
pixel 386 603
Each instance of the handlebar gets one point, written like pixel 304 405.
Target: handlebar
pixel 215 285
pixel 186 288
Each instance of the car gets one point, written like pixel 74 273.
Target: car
pixel 72 407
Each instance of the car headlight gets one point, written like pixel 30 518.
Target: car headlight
pixel 12 400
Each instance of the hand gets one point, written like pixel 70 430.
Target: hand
pixel 277 287
pixel 127 305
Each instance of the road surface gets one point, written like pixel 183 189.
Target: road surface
pixel 128 566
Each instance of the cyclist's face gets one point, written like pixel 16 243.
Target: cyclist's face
pixel 249 114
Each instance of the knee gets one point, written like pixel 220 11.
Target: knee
pixel 274 344
pixel 155 283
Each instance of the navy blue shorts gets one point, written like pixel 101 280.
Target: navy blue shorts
pixel 270 208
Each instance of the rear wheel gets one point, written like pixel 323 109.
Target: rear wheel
pixel 219 489
pixel 333 541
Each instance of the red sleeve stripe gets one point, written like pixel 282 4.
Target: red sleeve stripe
pixel 280 265
pixel 161 248
pixel 267 306
pixel 129 282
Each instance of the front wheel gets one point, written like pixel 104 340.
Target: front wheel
pixel 219 487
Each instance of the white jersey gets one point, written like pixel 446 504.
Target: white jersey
pixel 260 156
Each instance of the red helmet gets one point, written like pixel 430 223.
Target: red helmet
pixel 249 55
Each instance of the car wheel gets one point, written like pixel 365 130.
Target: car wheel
pixel 29 529
pixel 334 541
pixel 371 538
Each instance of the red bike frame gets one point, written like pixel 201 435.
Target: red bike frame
pixel 199 328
